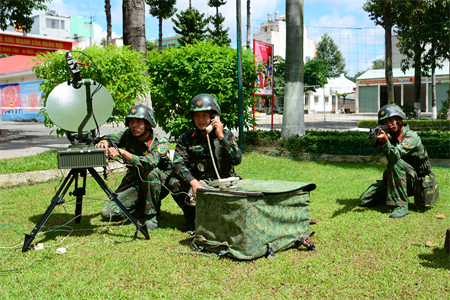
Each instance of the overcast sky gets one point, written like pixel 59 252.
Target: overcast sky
pixel 348 24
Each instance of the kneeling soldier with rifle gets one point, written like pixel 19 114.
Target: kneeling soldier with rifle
pixel 408 171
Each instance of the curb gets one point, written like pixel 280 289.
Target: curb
pixel 30 178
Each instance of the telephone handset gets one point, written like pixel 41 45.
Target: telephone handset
pixel 210 127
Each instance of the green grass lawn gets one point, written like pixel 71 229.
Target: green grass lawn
pixel 360 252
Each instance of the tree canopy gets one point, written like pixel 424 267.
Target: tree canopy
pixel 18 13
pixel 191 24
pixel 331 56
pixel 217 34
pixel 161 10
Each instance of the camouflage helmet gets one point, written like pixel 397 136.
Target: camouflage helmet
pixel 141 112
pixel 390 110
pixel 205 102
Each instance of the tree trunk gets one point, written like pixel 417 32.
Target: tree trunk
pixel 293 113
pixel 388 51
pixel 133 12
pixel 433 90
pixel 248 24
pixel 108 22
pixel 160 35
pixel 417 69
pixel 417 82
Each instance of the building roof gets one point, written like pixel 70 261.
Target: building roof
pixel 397 73
pixel 341 84
pixel 15 63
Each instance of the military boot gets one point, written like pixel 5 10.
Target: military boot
pixel 400 212
pixel 151 222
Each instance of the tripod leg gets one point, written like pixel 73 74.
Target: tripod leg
pixel 57 199
pixel 79 193
pixel 113 197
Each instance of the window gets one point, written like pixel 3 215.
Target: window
pixel 52 23
pixel 306 100
pixel 316 99
pixel 62 25
pixel 327 99
pixel 308 58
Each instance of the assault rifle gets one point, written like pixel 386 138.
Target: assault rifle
pixel 374 132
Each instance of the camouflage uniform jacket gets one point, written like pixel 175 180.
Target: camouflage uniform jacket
pixel 192 159
pixel 408 147
pixel 145 155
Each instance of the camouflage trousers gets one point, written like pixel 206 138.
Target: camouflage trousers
pixel 140 197
pixel 395 188
pixel 180 191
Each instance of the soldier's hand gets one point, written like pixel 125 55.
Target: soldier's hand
pixel 102 144
pixel 195 185
pixel 382 138
pixel 218 127
pixel 112 151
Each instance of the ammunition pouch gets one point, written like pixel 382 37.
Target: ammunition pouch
pixel 426 190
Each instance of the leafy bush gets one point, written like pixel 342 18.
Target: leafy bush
pixel 343 142
pixel 416 125
pixel 330 142
pixel 180 73
pixel 122 69
pixel 262 137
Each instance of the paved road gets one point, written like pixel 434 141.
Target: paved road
pixel 28 138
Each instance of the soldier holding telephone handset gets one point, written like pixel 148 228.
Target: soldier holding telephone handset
pixel 192 163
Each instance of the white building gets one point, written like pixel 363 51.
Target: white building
pixel 274 32
pixel 325 98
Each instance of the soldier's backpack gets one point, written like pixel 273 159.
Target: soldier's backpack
pixel 258 219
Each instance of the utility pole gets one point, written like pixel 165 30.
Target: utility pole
pixel 293 112
pixel 241 142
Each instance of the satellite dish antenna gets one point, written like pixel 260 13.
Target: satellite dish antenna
pixel 67 107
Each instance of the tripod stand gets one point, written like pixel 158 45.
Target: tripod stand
pixel 79 192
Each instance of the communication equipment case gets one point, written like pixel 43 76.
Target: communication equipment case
pixel 81 158
pixel 259 217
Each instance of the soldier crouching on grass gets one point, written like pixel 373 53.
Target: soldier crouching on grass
pixel 192 163
pixel 141 189
pixel 408 171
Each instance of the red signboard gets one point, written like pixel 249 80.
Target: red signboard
pixel 20 50
pixel 22 45
pixel 375 81
pixel 264 54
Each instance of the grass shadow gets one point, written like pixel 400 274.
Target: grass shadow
pixel 352 205
pixel 439 259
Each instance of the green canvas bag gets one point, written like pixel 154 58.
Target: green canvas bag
pixel 256 220
pixel 426 190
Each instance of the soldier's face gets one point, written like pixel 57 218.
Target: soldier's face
pixel 202 119
pixel 137 126
pixel 392 124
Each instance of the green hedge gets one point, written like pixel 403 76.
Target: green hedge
pixel 336 142
pixel 417 125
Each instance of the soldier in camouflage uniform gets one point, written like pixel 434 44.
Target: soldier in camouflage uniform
pixel 192 163
pixel 141 189
pixel 408 171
